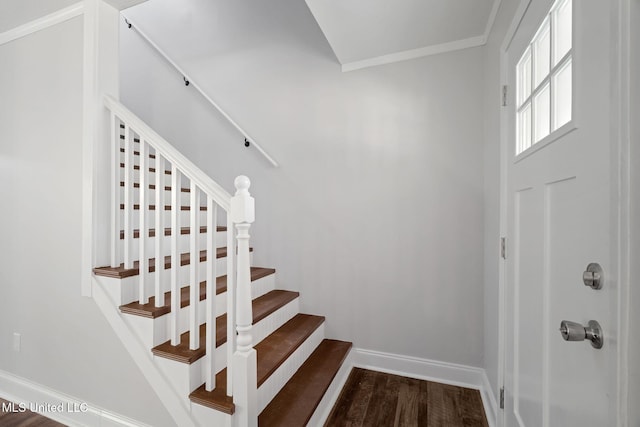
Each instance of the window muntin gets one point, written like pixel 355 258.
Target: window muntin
pixel 544 79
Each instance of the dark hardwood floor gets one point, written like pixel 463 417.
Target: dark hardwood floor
pixel 15 418
pixel 377 399
pixel 368 399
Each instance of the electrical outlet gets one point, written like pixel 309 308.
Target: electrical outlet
pixel 16 341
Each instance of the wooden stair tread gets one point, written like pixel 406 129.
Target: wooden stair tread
pixel 136 207
pixel 149 310
pixel 277 347
pixel 167 231
pixel 272 352
pixel 120 272
pixel 153 187
pixel 217 398
pixel 294 405
pixel 262 307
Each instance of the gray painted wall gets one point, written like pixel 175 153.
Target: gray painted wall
pixel 66 343
pixel 376 214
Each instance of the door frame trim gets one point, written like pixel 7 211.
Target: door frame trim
pixel 503 224
pixel 620 182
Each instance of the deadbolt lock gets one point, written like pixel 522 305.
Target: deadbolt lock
pixel 572 331
pixel 593 276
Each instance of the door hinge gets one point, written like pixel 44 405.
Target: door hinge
pixel 503 247
pixel 502 398
pixel 504 95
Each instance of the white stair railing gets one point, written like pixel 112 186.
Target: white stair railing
pixel 139 140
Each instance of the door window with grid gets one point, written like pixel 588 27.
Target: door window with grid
pixel 544 79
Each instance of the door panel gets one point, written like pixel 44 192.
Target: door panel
pixel 561 215
pixel 529 298
pixel 571 364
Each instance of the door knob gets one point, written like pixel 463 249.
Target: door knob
pixel 593 276
pixel 572 331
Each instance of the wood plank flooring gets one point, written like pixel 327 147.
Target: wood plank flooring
pixel 24 419
pixel 371 398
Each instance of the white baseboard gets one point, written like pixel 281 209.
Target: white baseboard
pixel 57 406
pixel 431 370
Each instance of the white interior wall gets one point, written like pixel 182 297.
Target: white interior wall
pixel 492 109
pixel 376 213
pixel 66 343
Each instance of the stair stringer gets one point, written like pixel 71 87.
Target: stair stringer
pixel 187 377
pixel 268 390
pixel 143 358
pixel 323 410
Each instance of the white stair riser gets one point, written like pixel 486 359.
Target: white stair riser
pixel 184 197
pixel 268 390
pixel 166 178
pixel 183 276
pixel 120 291
pixel 187 378
pixel 153 332
pixel 210 417
pixel 124 291
pixel 184 243
pixel 269 324
pixel 184 218
pixel 151 177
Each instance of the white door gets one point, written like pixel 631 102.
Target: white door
pixel 561 211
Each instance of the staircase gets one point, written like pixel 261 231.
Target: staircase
pixel 215 338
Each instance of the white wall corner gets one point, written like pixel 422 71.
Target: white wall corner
pixel 68 410
pixel 430 370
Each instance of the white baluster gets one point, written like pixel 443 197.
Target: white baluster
pixel 128 199
pixel 194 288
pixel 175 256
pixel 143 263
pixel 212 274
pixel 160 226
pixel 115 190
pixel 244 359
pixel 231 302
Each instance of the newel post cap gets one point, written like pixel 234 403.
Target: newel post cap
pixel 242 204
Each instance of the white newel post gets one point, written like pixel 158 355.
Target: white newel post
pixel 244 359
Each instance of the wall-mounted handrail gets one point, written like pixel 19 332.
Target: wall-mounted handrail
pixel 189 82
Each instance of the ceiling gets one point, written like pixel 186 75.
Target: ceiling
pixel 364 33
